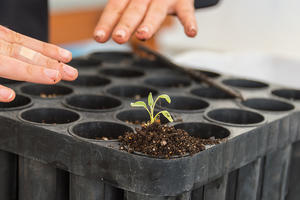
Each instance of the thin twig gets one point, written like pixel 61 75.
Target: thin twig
pixel 195 74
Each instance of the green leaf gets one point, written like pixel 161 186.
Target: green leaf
pixel 165 96
pixel 139 104
pixel 167 115
pixel 150 99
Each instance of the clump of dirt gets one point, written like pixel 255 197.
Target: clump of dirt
pixel 44 122
pixel 42 95
pixel 103 138
pixel 178 119
pixel 137 97
pixel 163 141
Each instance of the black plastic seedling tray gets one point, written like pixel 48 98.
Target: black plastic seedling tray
pixel 53 147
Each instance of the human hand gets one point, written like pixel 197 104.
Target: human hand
pixel 26 59
pixel 121 18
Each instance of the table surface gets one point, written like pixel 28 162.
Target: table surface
pixel 85 47
pixel 254 65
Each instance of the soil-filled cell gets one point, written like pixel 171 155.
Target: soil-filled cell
pixel 89 81
pixel 235 116
pixel 211 93
pixel 49 116
pixel 122 73
pixel 287 93
pixel 168 82
pixel 19 102
pixel 267 104
pixel 130 91
pixel 84 63
pixel 244 83
pixel 99 130
pixel 111 57
pixel 46 91
pixel 204 130
pixel 137 117
pixel 183 103
pixel 89 102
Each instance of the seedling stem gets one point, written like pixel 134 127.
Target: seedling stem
pixel 152 104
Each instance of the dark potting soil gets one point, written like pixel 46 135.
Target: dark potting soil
pixel 163 141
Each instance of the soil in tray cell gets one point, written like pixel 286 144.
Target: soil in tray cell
pixel 163 141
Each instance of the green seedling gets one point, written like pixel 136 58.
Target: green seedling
pixel 151 104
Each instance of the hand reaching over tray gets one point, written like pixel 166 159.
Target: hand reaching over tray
pixel 26 59
pixel 121 19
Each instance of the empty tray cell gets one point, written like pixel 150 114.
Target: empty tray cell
pixel 137 117
pixel 20 102
pixel 168 82
pixel 122 73
pixel 131 91
pixel 204 130
pixel 89 102
pixel 149 64
pixel 210 74
pixel 84 63
pixel 184 104
pixel 267 104
pixel 49 116
pixel 287 93
pixel 111 57
pixel 89 81
pixel 8 81
pixel 46 91
pixel 211 93
pixel 233 116
pixel 244 83
pixel 99 130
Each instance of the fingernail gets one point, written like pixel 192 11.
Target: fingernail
pixel 192 30
pixel 52 74
pixel 70 71
pixel 65 53
pixel 100 34
pixel 143 30
pixel 120 33
pixel 6 93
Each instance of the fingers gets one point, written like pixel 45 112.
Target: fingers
pixel 32 57
pixel 186 13
pixel 131 14
pixel 6 94
pixel 17 70
pixel 46 49
pixel 131 18
pixel 109 19
pixel 67 72
pixel 156 14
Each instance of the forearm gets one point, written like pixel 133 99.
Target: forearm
pixel 205 3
